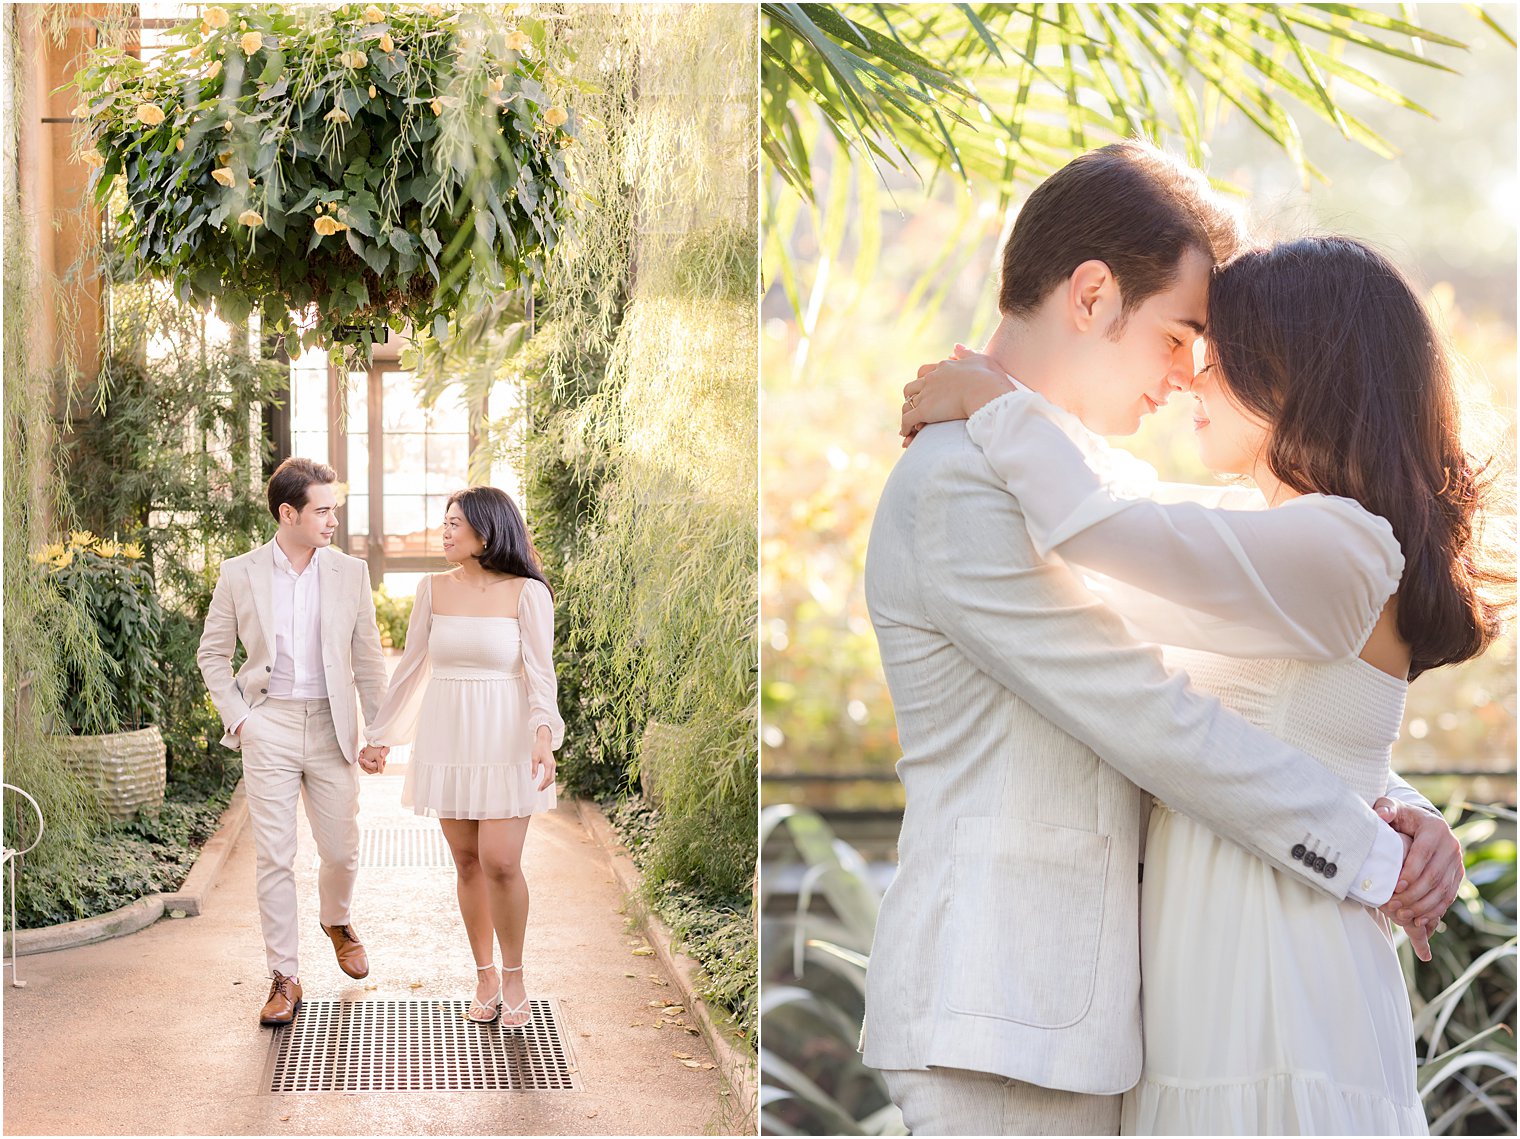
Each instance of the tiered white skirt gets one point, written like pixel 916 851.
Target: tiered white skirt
pixel 473 754
pixel 1269 1008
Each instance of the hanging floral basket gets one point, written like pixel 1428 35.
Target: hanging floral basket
pixel 358 167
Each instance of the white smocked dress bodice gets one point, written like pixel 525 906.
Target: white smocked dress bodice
pixel 1346 713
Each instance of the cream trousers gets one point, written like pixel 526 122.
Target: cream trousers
pixel 953 1101
pixel 291 747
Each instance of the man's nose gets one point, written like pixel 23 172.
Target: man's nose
pixel 1180 376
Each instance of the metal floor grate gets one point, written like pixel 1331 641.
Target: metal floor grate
pixel 418 1046
pixel 404 846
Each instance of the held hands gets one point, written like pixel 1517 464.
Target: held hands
pixel 543 759
pixel 1433 870
pixel 954 388
pixel 372 758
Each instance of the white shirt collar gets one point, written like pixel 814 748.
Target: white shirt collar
pixel 282 563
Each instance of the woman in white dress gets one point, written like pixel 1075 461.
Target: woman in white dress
pixel 1306 604
pixel 475 689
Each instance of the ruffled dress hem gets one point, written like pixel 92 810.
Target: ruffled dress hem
pixel 1285 1103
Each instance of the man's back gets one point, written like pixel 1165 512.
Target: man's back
pixel 1008 939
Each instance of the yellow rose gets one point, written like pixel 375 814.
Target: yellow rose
pixel 150 113
pixel 373 15
pixel 251 218
pixel 63 559
pixel 217 17
pixel 48 553
pixel 94 158
pixel 519 42
pixel 387 44
pixel 556 116
pixel 214 70
pixel 325 226
pixel 371 90
pixel 336 115
pixel 106 549
pixel 251 42
pixel 224 175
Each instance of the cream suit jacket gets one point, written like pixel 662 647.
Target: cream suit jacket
pixel 1034 731
pixel 242 610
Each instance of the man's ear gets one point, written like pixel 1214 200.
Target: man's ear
pixel 1089 290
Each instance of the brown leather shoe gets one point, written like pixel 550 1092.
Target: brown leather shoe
pixel 284 999
pixel 351 956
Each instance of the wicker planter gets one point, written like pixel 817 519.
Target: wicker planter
pixel 126 768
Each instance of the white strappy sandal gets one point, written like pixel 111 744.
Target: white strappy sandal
pixel 517 1009
pixel 486 1012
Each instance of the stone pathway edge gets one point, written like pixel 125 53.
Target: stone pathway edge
pixel 737 1065
pixel 145 911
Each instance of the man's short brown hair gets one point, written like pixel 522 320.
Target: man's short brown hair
pixel 291 481
pixel 1130 205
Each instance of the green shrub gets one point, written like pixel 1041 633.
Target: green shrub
pixel 392 615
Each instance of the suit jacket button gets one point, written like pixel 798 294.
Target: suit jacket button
pixel 1330 870
pixel 268 668
pixel 1319 862
pixel 265 691
pixel 1299 851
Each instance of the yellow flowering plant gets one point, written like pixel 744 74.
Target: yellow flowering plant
pixel 338 170
pixel 112 582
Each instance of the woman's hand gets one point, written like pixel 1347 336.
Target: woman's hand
pixel 543 759
pixel 955 388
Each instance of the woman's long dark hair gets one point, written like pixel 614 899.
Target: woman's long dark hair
pixel 493 515
pixel 1325 340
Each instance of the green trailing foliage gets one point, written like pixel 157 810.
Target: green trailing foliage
pixel 338 170
pixel 659 592
pixel 46 631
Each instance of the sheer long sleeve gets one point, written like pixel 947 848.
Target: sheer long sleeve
pixel 535 621
pixel 1306 580
pixel 396 722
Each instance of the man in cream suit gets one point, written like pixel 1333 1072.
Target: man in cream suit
pixel 306 618
pixel 1003 989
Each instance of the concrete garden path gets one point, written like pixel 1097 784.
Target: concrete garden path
pixel 157 1033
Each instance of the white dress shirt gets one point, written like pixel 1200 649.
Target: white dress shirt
pixel 297 602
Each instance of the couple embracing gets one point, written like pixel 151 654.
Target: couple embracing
pixel 475 689
pixel 1090 666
